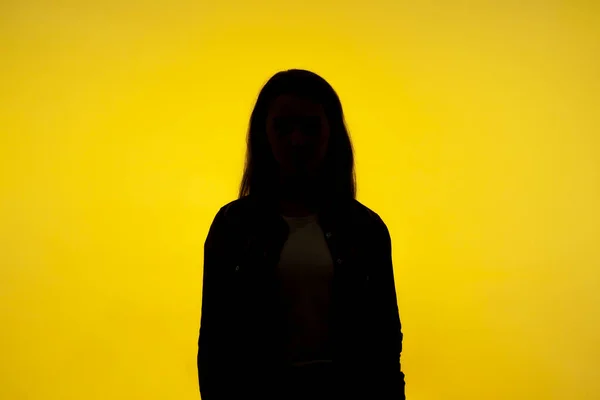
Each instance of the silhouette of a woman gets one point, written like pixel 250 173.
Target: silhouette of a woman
pixel 298 298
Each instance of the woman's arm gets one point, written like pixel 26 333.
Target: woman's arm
pixel 212 343
pixel 388 378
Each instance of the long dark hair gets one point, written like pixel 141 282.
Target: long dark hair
pixel 338 169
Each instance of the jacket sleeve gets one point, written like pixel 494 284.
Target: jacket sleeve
pixel 388 378
pixel 212 342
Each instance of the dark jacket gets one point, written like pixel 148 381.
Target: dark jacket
pixel 238 355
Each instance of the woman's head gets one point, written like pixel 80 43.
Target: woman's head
pixel 297 134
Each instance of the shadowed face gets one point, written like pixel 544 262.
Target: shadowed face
pixel 298 132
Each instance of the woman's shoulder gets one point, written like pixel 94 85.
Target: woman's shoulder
pixel 364 213
pixel 245 208
pixel 236 210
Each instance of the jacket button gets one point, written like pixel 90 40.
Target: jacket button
pixel 328 235
pixel 339 261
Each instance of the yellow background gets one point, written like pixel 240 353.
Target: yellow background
pixel 476 128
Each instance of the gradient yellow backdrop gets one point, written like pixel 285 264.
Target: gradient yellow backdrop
pixel 476 129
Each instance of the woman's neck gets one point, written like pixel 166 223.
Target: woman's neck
pixel 291 209
pixel 298 199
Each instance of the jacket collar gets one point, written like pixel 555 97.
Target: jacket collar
pixel 331 212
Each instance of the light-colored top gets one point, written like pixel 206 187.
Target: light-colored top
pixel 305 273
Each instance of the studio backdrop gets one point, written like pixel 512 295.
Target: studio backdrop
pixel 476 131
